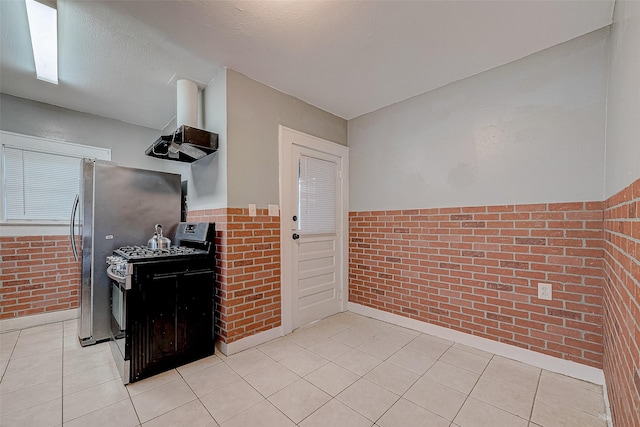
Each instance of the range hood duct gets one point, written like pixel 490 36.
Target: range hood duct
pixel 187 100
pixel 187 143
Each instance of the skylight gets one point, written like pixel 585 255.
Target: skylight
pixel 43 26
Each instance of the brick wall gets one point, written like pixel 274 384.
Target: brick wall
pixel 476 270
pixel 622 304
pixel 247 272
pixel 38 275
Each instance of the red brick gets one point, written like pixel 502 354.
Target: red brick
pixel 487 260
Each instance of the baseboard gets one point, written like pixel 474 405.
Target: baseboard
pixel 38 319
pixel 607 405
pixel 250 341
pixel 543 361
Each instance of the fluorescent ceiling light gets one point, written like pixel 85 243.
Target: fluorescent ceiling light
pixel 43 26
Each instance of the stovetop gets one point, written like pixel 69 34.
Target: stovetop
pixel 141 253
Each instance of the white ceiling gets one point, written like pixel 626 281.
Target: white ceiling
pixel 120 59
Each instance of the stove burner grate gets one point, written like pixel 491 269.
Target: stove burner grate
pixel 142 252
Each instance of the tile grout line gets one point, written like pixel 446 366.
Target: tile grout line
pixel 360 376
pixel 11 354
pixel 472 388
pixel 303 378
pixel 501 409
pixel 535 395
pixel 418 379
pixel 468 394
pixel 383 361
pixel 300 378
pixel 184 404
pixel 313 385
pixel 134 406
pixel 13 347
pixel 196 394
pixel 96 385
pixel 243 379
pixel 62 380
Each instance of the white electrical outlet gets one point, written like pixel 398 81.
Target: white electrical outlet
pixel 274 210
pixel 252 209
pixel 544 291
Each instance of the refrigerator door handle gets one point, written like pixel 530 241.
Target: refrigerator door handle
pixel 72 228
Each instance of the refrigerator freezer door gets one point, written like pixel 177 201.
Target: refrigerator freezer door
pixel 125 206
pixel 85 324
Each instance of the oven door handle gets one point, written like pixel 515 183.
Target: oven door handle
pixel 123 282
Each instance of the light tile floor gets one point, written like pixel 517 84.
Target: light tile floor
pixel 346 370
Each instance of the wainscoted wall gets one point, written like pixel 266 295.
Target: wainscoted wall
pixel 247 270
pixel 476 270
pixel 38 275
pixel 622 304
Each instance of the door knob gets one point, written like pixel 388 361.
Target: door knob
pixel 295 236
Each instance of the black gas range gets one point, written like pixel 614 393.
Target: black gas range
pixel 162 303
pixel 195 245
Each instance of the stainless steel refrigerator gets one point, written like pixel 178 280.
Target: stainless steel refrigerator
pixel 116 207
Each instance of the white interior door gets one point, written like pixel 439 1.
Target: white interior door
pixel 315 232
pixel 313 236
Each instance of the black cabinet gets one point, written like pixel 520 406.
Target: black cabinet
pixel 171 320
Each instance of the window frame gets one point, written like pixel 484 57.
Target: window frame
pixel 45 146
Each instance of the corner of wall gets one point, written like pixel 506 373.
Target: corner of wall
pixel 207 188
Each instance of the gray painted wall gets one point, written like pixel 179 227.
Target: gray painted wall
pixel 254 112
pixel 623 103
pixel 527 132
pixel 126 141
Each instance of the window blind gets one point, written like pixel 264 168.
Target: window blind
pixel 316 195
pixel 39 186
pixel 40 177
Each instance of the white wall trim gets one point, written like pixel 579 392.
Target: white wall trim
pixel 285 146
pixel 286 300
pixel 38 319
pixel 250 341
pixel 607 405
pixel 52 146
pixel 550 363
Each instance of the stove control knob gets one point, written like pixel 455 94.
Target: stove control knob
pixel 114 260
